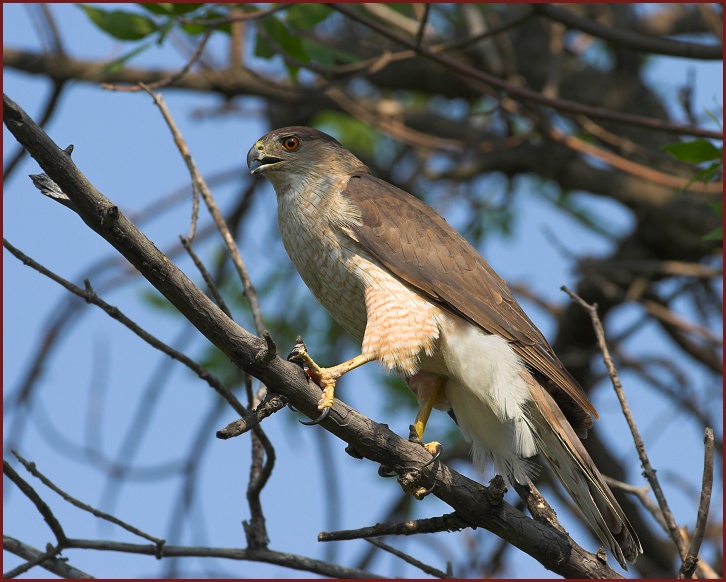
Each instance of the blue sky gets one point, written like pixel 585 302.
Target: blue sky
pixel 100 371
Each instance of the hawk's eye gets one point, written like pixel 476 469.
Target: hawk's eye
pixel 291 143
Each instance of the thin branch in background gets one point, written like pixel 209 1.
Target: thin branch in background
pixel 90 296
pixel 260 471
pixel 524 93
pixel 642 494
pixel 48 110
pixel 36 500
pixel 426 569
pixel 648 470
pixel 422 25
pixel 214 210
pixel 92 510
pixel 628 166
pixel 629 39
pixel 211 285
pixel 169 79
pixel 691 560
pixel 214 23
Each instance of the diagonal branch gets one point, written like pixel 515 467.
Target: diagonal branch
pixel 552 548
pixel 632 40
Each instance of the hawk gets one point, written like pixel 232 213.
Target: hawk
pixel 427 305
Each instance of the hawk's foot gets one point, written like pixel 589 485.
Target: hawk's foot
pixel 321 376
pixel 324 377
pixel 433 448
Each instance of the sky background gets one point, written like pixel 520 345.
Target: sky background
pixel 94 380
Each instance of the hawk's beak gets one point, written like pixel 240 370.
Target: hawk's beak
pixel 257 161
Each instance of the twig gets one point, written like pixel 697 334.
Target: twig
pixel 271 404
pixel 410 560
pixel 92 510
pixel 449 522
pixel 648 470
pixel 213 210
pixel 260 471
pixel 90 296
pixel 186 243
pixel 287 560
pixel 237 18
pixel 691 560
pixel 668 317
pixel 36 500
pixel 51 553
pixel 56 566
pixel 525 93
pixel 642 494
pixel 630 167
pixel 169 79
pixel 422 25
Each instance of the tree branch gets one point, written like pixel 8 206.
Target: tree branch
pixel 525 93
pixel 629 39
pixel 554 549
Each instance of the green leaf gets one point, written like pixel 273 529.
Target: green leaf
pixel 116 65
pixel 325 56
pixel 291 44
pixel 717 233
pixel 352 132
pixel 304 16
pixel 120 24
pixel 201 29
pixel 169 9
pixel 694 152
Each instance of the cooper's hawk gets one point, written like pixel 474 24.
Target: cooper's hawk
pixel 424 303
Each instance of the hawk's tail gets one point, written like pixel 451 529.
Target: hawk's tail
pixel 558 443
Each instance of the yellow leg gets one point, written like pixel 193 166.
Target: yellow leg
pixel 422 417
pixel 326 378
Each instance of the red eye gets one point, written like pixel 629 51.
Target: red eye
pixel 290 143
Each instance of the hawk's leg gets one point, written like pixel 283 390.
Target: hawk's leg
pixel 422 417
pixel 326 378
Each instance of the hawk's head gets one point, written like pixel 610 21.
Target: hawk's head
pixel 299 153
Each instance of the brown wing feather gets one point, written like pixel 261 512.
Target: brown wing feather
pixel 420 247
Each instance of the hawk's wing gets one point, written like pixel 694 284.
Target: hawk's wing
pixel 419 246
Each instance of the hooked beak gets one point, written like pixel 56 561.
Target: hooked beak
pixel 258 162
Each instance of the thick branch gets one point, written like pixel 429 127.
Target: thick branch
pixel 554 549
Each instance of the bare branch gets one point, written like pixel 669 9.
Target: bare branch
pixel 691 560
pixel 648 470
pixel 92 510
pixel 629 39
pixel 410 560
pixel 168 79
pixel 214 210
pixel 36 500
pixel 554 549
pixel 90 296
pixel 54 565
pixel 528 94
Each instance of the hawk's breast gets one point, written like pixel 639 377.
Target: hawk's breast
pixel 395 323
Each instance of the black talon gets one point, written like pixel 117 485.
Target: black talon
pixel 432 459
pixel 291 407
pixel 425 493
pixel 318 420
pixel 383 472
